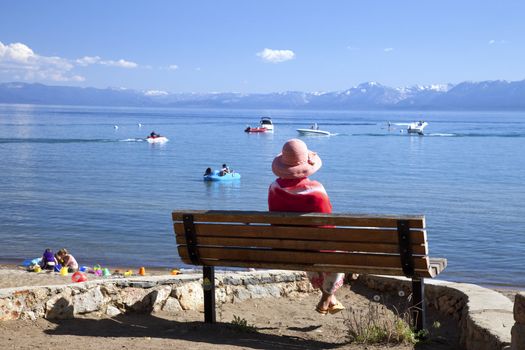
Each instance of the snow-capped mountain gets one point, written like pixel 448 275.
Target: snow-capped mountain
pixel 371 95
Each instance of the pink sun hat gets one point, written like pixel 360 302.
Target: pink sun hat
pixel 295 161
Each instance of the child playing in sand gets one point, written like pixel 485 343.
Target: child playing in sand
pixel 48 261
pixel 67 260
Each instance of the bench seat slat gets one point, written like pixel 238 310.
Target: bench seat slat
pixel 300 232
pixel 309 258
pixel 308 245
pixel 281 218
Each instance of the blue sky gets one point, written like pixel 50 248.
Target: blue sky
pixel 260 46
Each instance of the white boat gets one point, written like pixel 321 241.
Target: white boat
pixel 416 127
pixel 314 130
pixel 158 139
pixel 266 122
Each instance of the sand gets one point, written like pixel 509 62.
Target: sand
pixel 281 323
pixel 17 276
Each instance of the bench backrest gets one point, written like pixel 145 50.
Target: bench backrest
pixel 389 245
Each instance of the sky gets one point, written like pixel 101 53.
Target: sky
pixel 265 46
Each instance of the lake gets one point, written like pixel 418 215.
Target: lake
pixel 70 178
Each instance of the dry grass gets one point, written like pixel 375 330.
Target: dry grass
pixel 384 323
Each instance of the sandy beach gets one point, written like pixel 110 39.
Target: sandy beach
pixel 282 323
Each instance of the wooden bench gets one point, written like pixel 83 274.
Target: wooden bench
pixel 366 244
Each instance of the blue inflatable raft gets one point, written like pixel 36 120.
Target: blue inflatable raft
pixel 214 176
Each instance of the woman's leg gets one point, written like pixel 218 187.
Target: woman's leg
pixel 328 283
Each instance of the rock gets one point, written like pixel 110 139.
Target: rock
pixel 159 297
pixel 8 310
pixel 190 296
pixel 519 308
pixel 112 311
pixel 518 337
pixel 135 298
pixel 172 305
pixel 240 294
pixel 232 280
pixel 91 301
pixel 59 307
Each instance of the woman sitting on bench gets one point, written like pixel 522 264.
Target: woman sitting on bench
pixel 292 191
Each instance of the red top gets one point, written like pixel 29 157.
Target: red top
pixel 298 195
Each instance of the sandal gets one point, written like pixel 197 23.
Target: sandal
pixel 321 311
pixel 335 308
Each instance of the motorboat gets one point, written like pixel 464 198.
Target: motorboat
pixel 416 127
pixel 216 176
pixel 412 128
pixel 157 139
pixel 266 122
pixel 265 125
pixel 314 130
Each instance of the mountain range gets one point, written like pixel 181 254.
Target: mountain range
pixel 485 95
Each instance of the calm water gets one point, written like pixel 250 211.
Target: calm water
pixel 70 179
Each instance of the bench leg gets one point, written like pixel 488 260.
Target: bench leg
pixel 208 286
pixel 419 308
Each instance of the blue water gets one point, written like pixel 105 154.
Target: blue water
pixel 68 178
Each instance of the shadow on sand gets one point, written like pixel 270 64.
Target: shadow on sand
pixel 144 325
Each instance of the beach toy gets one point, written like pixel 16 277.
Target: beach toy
pixel 57 268
pixel 105 272
pixel 128 273
pixel 31 262
pixel 142 271
pixel 63 271
pixel 83 269
pixel 79 277
pixel 96 267
pixel 37 268
pixel 98 272
pixel 175 272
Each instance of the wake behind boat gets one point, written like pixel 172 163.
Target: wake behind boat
pixel 314 130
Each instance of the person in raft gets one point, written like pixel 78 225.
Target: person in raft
pixel 67 260
pixel 48 261
pixel 292 191
pixel 224 170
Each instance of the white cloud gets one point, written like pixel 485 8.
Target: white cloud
pixel 352 48
pixel 173 67
pixel 276 56
pixel 120 63
pixel 88 60
pixel 388 49
pixel 19 60
pixel 497 42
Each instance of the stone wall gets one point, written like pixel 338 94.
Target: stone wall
pixel 484 316
pixel 111 297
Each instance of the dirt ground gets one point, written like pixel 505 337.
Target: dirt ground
pixel 281 323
